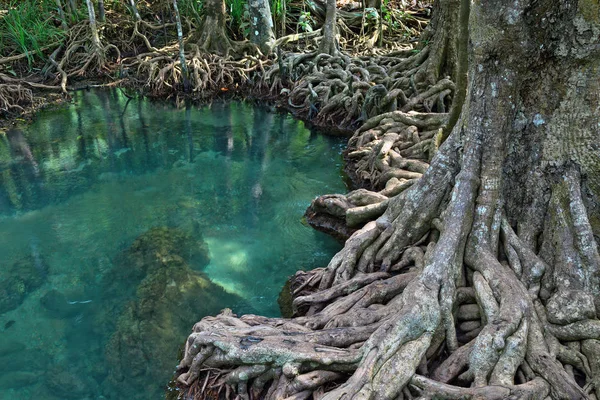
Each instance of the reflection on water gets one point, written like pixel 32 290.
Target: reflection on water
pixel 89 312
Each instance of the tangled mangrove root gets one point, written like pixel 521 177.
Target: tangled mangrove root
pixel 84 54
pixel 14 97
pixel 414 306
pixel 161 73
pixel 453 284
pixel 345 92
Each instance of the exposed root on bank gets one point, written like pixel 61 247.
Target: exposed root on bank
pixel 343 91
pixel 428 309
pixel 14 97
pixel 161 74
pixel 437 293
pixel 82 55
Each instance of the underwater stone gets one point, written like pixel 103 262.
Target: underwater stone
pixel 17 380
pixel 25 360
pixel 10 346
pixel 57 305
pixel 65 384
pixel 23 277
pixel 161 242
pixel 170 297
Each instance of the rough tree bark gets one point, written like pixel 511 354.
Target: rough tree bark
pixel 93 26
pixel 482 279
pixel 329 44
pixel 182 60
pixel 134 10
pixel 213 38
pixel 262 25
pixel 101 11
pixel 441 41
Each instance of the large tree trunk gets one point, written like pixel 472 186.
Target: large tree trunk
pixel 213 38
pixel 329 44
pixel 441 39
pixel 261 22
pixel 482 280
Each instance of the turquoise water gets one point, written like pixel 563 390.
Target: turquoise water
pixel 80 184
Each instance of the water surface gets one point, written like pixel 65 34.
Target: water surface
pixel 80 184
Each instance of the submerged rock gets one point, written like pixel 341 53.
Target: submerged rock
pixel 17 380
pixel 58 306
pixel 8 347
pixel 24 360
pixel 161 242
pixel 169 299
pixel 66 384
pixel 22 278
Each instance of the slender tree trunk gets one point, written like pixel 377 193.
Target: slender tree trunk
pixel 73 7
pixel 283 16
pixel 93 26
pixel 134 10
pixel 261 22
pixel 61 14
pixel 380 23
pixel 329 44
pixel 101 11
pixel 184 70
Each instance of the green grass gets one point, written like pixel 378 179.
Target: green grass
pixel 28 26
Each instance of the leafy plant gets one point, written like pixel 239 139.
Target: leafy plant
pixel 385 10
pixel 190 8
pixel 236 11
pixel 28 26
pixel 306 21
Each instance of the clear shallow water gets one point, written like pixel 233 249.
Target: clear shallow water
pixel 79 185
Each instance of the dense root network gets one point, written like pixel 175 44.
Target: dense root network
pixel 14 97
pixel 404 312
pixel 215 62
pixel 435 294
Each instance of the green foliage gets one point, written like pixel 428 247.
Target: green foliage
pixel 371 14
pixel 245 26
pixel 277 8
pixel 305 22
pixel 385 11
pixel 190 8
pixel 28 26
pixel 235 10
